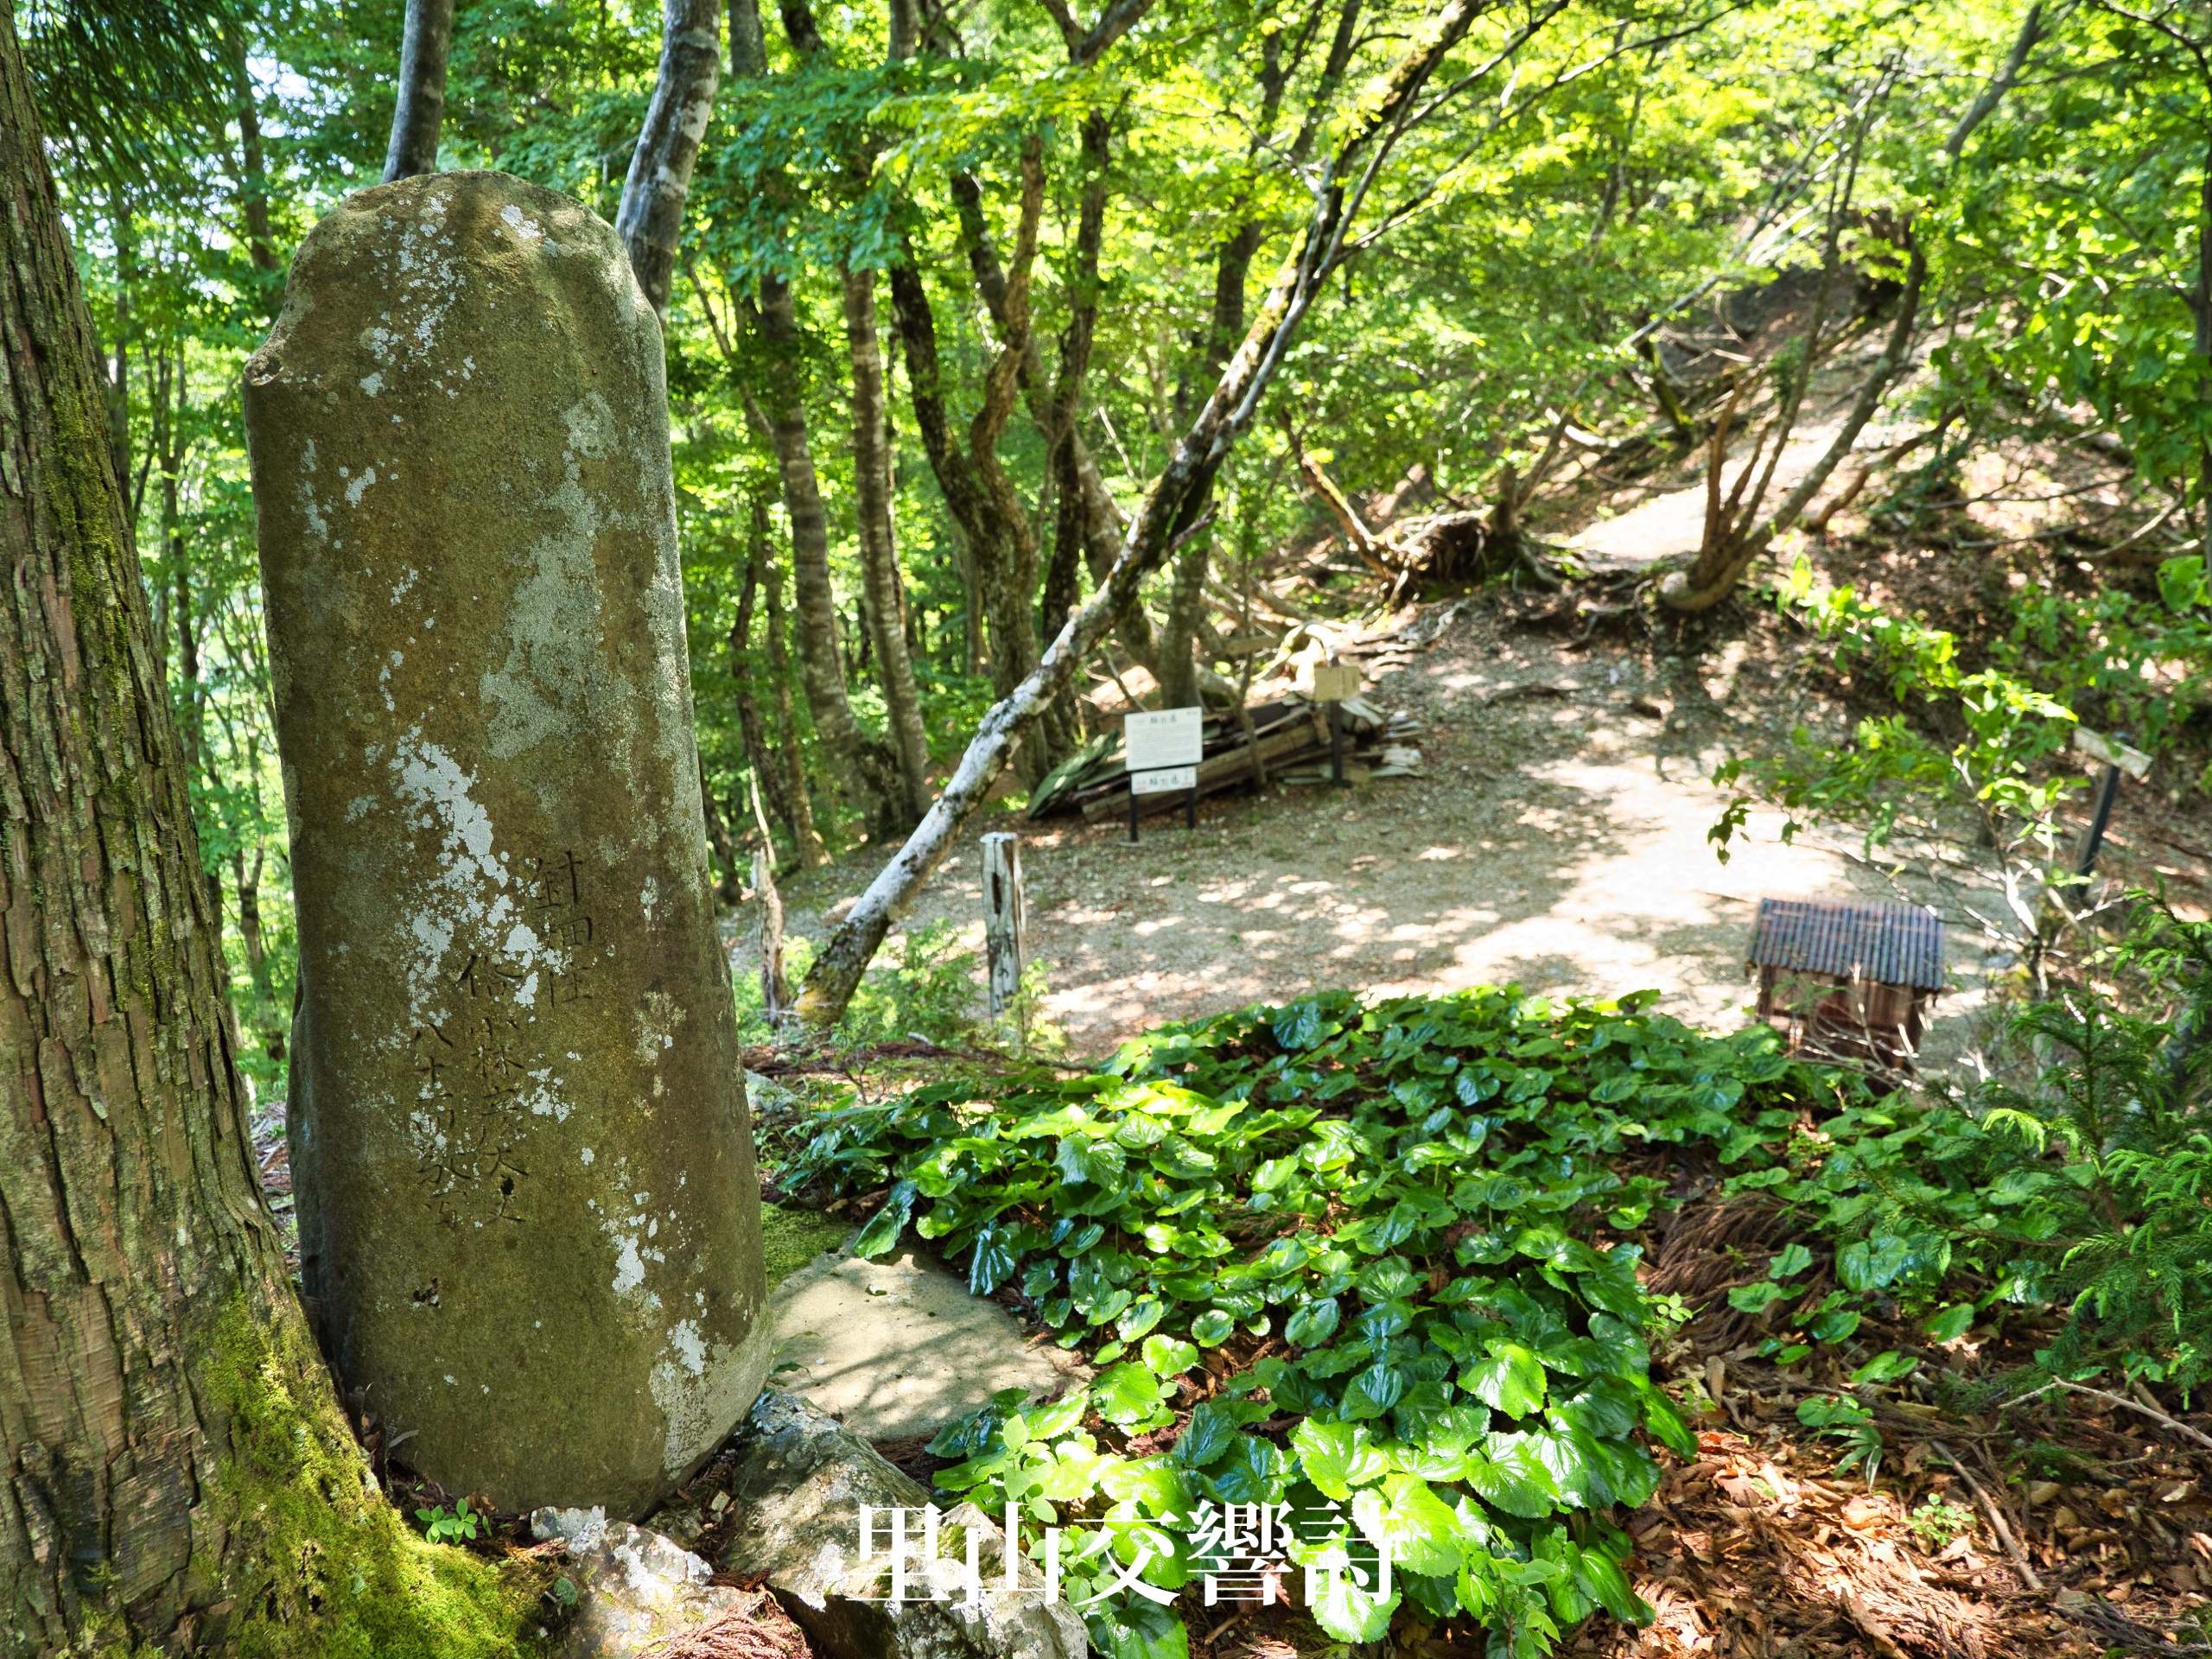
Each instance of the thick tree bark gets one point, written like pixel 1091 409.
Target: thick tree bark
pixel 420 108
pixel 174 1468
pixel 880 549
pixel 650 220
pixel 865 775
pixel 1171 507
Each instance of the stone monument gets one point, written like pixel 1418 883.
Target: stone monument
pixel 529 1217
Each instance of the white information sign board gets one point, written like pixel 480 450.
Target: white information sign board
pixel 1163 780
pixel 1170 737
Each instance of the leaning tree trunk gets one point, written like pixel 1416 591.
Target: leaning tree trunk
pixel 880 549
pixel 175 1470
pixel 650 217
pixel 421 109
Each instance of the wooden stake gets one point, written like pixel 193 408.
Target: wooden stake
pixel 1004 921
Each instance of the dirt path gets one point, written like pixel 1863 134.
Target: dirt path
pixel 1559 840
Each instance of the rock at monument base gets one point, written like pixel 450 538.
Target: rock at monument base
pixel 896 1348
pixel 637 1589
pixel 528 1207
pixel 798 1487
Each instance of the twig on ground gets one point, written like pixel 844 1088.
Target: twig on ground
pixel 1996 1518
pixel 2179 1427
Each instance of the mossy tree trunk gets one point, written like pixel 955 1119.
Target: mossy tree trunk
pixel 173 1467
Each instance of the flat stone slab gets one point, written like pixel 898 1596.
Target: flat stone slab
pixel 897 1348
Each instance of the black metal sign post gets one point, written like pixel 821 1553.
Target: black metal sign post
pixel 2118 758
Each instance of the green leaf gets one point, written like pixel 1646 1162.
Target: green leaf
pixel 1508 1378
pixel 1349 1612
pixel 1952 1323
pixel 1131 1626
pixel 1213 1327
pixel 1211 1432
pixel 1407 1519
pixel 1601 1579
pixel 1168 1355
pixel 1373 1392
pixel 1872 1264
pixel 1141 1316
pixel 1884 1368
pixel 884 1227
pixel 1506 1474
pixel 1835 1326
pixel 1314 1323
pixel 1790 1262
pixel 990 1260
pixel 1255 1472
pixel 1128 1397
pixel 1756 1299
pixel 1338 1457
pixel 1090 1162
pixel 1664 1423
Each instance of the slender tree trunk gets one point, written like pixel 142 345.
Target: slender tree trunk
pixel 192 723
pixel 811 852
pixel 1717 574
pixel 973 652
pixel 253 169
pixel 864 773
pixel 902 699
pixel 720 844
pixel 750 726
pixel 2201 304
pixel 174 1468
pixel 118 379
pixel 1097 519
pixel 650 220
pixel 420 108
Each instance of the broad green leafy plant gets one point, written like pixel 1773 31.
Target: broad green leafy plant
pixel 2082 1188
pixel 1376 1215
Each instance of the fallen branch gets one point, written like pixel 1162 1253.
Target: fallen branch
pixel 2152 1412
pixel 1996 1518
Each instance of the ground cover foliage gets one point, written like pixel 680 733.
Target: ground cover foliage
pixel 1386 1257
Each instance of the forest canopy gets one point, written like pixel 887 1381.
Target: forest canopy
pixel 951 286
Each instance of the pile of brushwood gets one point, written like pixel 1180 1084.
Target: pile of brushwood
pixel 1287 740
pixel 1390 1257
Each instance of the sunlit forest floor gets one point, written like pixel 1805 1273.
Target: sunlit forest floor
pixel 1558 840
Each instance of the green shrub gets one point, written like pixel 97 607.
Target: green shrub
pixel 1401 1195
